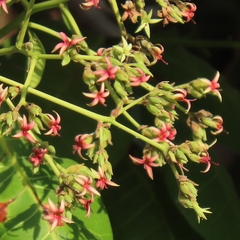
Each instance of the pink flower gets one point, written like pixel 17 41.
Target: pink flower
pixel 207 160
pixel 25 127
pixel 188 11
pixel 37 156
pixel 164 133
pixel 102 181
pixel 156 52
pixel 54 215
pixel 82 143
pixel 89 4
pixel 137 80
pixel 86 182
pixel 148 162
pixel 3 5
pixel 213 86
pixel 108 73
pixel 181 96
pixel 98 96
pixel 66 43
pixel 53 124
pixel 3 94
pixel 86 204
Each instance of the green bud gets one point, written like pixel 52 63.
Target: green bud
pixel 9 118
pixel 184 201
pixel 165 86
pixel 34 109
pixel 88 76
pixel 153 109
pixel 122 75
pixel 181 157
pixel 51 150
pixel 13 91
pixel 120 90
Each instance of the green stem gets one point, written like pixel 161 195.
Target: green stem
pixel 87 113
pixel 47 5
pixel 174 169
pixel 23 29
pixel 71 21
pixel 43 29
pixel 117 100
pixel 49 160
pixel 27 82
pixel 122 28
pixel 133 103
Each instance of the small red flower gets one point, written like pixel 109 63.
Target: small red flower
pixel 181 96
pixel 137 80
pixel 55 215
pixel 66 43
pixel 156 52
pixel 89 4
pixel 53 124
pixel 98 96
pixel 102 181
pixel 213 86
pixel 86 204
pixel 108 73
pixel 207 160
pixel 3 5
pixel 188 11
pixel 3 94
pixel 82 143
pixel 37 156
pixel 164 133
pixel 148 162
pixel 86 182
pixel 25 127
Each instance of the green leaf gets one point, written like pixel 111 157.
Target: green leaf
pixel 24 217
pixel 35 46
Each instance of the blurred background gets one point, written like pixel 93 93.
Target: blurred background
pixel 143 209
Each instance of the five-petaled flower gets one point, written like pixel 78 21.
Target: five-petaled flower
pixel 89 3
pixel 63 46
pixel 130 11
pixel 109 73
pixel 137 80
pixel 148 162
pixel 3 5
pixel 53 124
pixel 25 127
pixel 55 215
pixel 37 156
pixel 213 86
pixel 98 96
pixel 83 142
pixel 164 133
pixel 102 181
pixel 85 182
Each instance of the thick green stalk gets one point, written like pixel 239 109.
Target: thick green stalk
pixel 24 25
pixel 85 112
pixel 122 28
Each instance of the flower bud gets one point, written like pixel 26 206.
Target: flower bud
pixel 13 91
pixel 153 109
pixel 34 109
pixel 88 76
pixel 120 90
